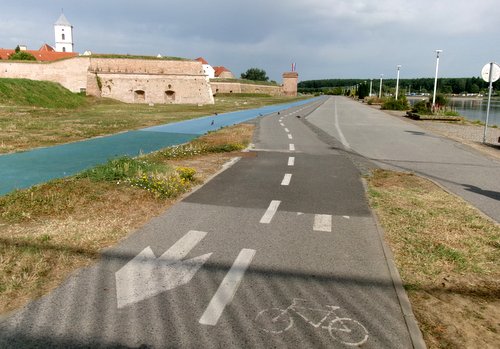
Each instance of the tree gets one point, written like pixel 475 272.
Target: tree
pixel 22 56
pixel 255 74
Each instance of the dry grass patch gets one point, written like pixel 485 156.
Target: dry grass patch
pixel 448 257
pixel 50 230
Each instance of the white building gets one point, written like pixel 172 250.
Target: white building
pixel 63 31
pixel 208 70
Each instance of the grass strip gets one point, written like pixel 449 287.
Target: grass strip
pixel 448 256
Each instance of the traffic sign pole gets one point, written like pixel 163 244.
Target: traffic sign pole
pixel 490 73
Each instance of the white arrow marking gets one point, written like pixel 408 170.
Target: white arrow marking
pixel 146 276
pixel 227 289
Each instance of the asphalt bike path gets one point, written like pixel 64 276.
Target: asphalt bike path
pixel 24 169
pixel 279 250
pixel 398 145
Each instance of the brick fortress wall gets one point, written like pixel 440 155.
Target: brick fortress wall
pixel 71 73
pixel 149 81
pixel 127 80
pixel 289 87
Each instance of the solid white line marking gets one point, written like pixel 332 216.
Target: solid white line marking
pixel 292 147
pixel 290 136
pixel 339 131
pixel 287 130
pixel 227 289
pixel 286 180
pixel 271 210
pixel 291 161
pixel 322 222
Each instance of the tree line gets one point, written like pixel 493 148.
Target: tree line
pixel 417 85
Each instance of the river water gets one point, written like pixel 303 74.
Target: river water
pixel 473 108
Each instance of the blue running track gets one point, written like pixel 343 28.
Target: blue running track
pixel 25 169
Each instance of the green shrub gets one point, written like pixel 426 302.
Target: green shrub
pixel 422 107
pixel 22 56
pixel 395 104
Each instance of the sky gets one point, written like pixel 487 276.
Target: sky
pixel 325 38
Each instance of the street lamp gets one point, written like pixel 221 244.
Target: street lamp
pixel 380 91
pixel 397 81
pixel 436 79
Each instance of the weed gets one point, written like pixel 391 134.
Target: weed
pixel 122 168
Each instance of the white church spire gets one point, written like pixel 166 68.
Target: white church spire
pixel 63 32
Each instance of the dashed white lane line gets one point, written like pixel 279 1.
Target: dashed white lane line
pixel 290 136
pixel 227 289
pixel 291 147
pixel 287 130
pixel 291 161
pixel 282 124
pixel 286 179
pixel 322 222
pixel 271 210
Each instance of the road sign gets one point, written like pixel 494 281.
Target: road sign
pixel 490 74
pixel 495 72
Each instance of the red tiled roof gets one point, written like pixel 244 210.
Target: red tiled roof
pixel 40 55
pixel 220 70
pixel 202 60
pixel 46 47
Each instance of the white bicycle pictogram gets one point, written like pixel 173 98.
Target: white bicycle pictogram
pixel 345 330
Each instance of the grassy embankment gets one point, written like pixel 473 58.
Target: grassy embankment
pixel 448 257
pixel 35 113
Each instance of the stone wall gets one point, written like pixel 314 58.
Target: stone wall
pixel 124 79
pixel 71 73
pixel 236 87
pixel 140 80
pixel 149 81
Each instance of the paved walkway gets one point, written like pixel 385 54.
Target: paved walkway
pixel 396 144
pixel 25 169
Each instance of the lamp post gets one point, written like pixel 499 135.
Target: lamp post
pixel 380 90
pixel 397 81
pixel 371 84
pixel 436 79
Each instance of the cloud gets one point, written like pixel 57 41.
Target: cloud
pixel 326 38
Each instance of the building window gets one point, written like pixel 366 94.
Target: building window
pixel 169 96
pixel 139 96
pixel 63 36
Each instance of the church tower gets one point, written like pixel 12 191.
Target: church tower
pixel 63 31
